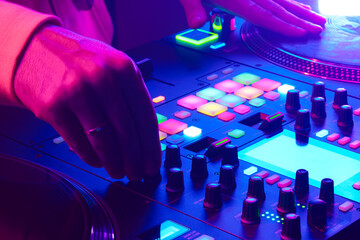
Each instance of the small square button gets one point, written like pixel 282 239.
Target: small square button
pixel 356 185
pixel 257 102
pixel 182 114
pixel 346 206
pixel 303 94
pixel 284 183
pixel 226 116
pixel 162 135
pixel 228 86
pixel 272 179
pixel 357 112
pixel 236 133
pixel 191 102
pixel 160 118
pixel 355 144
pixel 246 78
pixel 249 92
pixel 266 85
pixel 227 71
pixel 333 137
pixel 212 77
pixel 212 109
pixel 210 94
pixel 230 100
pixel 272 95
pixel 285 88
pixel 172 126
pixel 242 109
pixel 175 139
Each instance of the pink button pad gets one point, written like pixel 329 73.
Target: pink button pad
pixel 263 174
pixel 344 141
pixel 191 102
pixel 273 179
pixel 333 137
pixel 357 112
pixel 284 183
pixel 242 109
pixel 346 206
pixel 356 185
pixel 226 116
pixel 272 95
pixel 355 144
pixel 228 86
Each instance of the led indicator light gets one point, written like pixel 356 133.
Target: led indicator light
pixel 197 37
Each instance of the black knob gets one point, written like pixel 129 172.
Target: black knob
pixel 286 202
pixel 199 167
pixel 327 190
pixel 318 90
pixel 250 212
pixel 230 155
pixel 316 215
pixel 302 182
pixel 291 229
pixel 256 188
pixel 318 108
pixel 340 98
pixel 302 123
pixel 172 157
pixel 175 180
pixel 227 178
pixel 345 119
pixel 213 199
pixel 292 100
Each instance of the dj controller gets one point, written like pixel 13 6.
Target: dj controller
pixel 260 139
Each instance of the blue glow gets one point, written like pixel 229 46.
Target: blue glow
pixel 281 154
pixel 339 8
pixel 192 132
pixel 322 133
pixel 217 45
pixel 170 230
pixel 251 170
pixel 285 88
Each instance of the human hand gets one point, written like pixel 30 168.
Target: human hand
pixel 287 17
pixel 78 85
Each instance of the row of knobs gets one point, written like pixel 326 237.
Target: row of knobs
pixel 317 209
pixel 318 112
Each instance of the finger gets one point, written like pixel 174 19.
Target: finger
pixel 88 110
pixel 302 12
pixel 195 13
pixel 144 118
pixel 70 129
pixel 280 12
pixel 303 5
pixel 128 137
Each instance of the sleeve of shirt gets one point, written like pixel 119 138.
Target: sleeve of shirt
pixel 16 28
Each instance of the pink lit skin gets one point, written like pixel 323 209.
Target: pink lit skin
pixel 287 17
pixel 77 84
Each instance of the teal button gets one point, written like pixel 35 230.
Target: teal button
pixel 210 94
pixel 246 78
pixel 236 133
pixel 257 102
pixel 231 100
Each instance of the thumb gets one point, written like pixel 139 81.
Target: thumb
pixel 195 13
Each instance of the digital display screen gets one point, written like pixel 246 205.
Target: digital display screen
pixel 167 230
pixel 281 154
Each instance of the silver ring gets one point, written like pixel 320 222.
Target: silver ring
pixel 95 131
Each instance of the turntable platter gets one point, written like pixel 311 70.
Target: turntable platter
pixel 37 203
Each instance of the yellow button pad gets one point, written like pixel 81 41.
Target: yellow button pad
pixel 212 109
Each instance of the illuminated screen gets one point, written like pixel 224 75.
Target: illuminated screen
pixel 167 230
pixel 281 154
pixel 339 8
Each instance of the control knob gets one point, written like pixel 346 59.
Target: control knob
pixel 302 182
pixel 316 215
pixel 230 155
pixel 302 123
pixel 199 168
pixel 213 198
pixel 291 229
pixel 250 212
pixel 318 90
pixel 227 178
pixel 318 108
pixel 256 188
pixel 172 157
pixel 345 119
pixel 286 202
pixel 175 180
pixel 340 98
pixel 327 190
pixel 292 100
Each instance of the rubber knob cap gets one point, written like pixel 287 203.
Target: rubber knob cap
pixel 199 167
pixel 227 178
pixel 302 182
pixel 318 90
pixel 291 229
pixel 213 198
pixel 316 215
pixel 250 212
pixel 286 203
pixel 256 188
pixel 327 190
pixel 230 155
pixel 340 98
pixel 292 100
pixel 318 108
pixel 302 123
pixel 172 157
pixel 345 119
pixel 175 180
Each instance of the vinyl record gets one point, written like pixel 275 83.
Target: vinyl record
pixel 37 203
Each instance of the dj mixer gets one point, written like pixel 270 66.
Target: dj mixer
pixel 259 141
